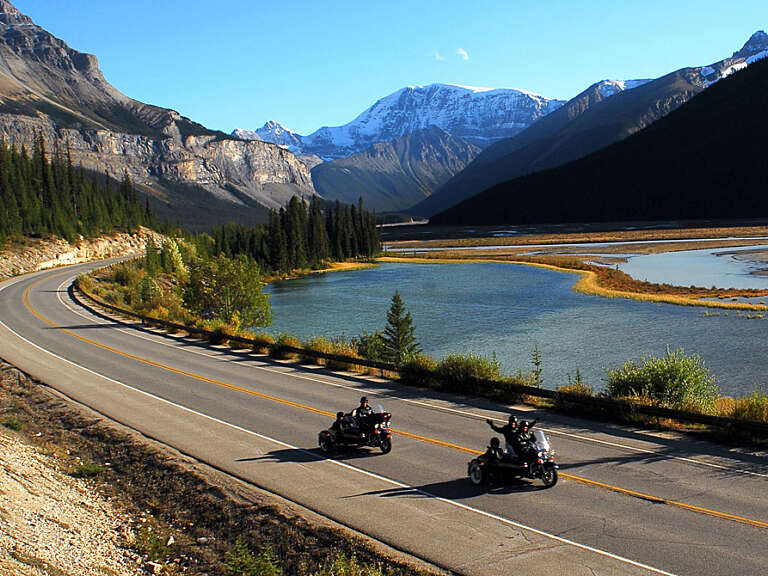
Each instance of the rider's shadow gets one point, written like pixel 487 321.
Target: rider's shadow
pixel 456 489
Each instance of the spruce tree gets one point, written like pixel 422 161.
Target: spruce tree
pixel 399 339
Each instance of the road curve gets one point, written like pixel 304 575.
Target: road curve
pixel 629 502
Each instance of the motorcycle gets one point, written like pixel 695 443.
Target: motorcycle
pixel 540 464
pixel 372 431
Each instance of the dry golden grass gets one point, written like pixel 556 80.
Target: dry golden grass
pixel 583 237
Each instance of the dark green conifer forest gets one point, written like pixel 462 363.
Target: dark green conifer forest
pixel 299 236
pixel 43 194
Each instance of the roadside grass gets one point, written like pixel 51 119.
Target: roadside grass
pixel 87 470
pixel 13 423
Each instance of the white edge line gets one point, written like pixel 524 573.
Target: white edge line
pixel 349 467
pixel 162 341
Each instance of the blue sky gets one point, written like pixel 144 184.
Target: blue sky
pixel 239 63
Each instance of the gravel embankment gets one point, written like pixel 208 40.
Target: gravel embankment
pixel 52 523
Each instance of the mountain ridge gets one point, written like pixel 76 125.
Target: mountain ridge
pixel 477 115
pixel 704 160
pixel 584 124
pixel 390 175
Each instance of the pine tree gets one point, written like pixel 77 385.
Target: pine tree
pixel 399 338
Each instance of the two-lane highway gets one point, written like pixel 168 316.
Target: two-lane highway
pixel 628 502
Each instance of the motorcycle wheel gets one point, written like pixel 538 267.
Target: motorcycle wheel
pixel 326 445
pixel 477 474
pixel 549 476
pixel 385 445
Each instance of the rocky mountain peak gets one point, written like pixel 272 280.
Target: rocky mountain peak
pixel 10 15
pixel 757 43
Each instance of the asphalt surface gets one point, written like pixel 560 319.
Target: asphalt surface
pixel 628 502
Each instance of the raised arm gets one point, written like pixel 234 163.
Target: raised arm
pixel 495 428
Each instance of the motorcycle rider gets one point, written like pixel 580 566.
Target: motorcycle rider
pixel 494 451
pixel 509 430
pixel 338 424
pixel 524 441
pixel 363 411
pixel 362 415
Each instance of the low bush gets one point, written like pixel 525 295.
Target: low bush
pixel 126 273
pixel 262 343
pixel 673 381
pixel 317 344
pixel 149 542
pixel 419 370
pixel 371 346
pixel 344 566
pixel 577 386
pixel 342 347
pixel 754 407
pixel 13 423
pixel 278 348
pixel 462 373
pixel 243 562
pixel 88 470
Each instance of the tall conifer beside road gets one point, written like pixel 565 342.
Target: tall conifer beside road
pixel 399 334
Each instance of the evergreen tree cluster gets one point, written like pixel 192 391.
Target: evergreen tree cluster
pixel 41 197
pixel 300 236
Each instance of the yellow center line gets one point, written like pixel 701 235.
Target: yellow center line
pixel 574 478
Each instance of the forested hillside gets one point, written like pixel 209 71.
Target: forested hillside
pixel 42 196
pixel 706 160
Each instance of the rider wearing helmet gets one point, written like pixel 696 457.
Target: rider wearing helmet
pixel 362 415
pixel 363 411
pixel 338 423
pixel 523 441
pixel 494 451
pixel 510 433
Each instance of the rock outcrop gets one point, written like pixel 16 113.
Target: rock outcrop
pixel 44 254
pixel 47 86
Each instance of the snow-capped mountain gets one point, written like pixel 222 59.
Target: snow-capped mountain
pixel 606 112
pixel 756 48
pixel 272 132
pixel 479 115
pixel 608 88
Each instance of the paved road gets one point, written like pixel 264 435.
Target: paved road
pixel 629 502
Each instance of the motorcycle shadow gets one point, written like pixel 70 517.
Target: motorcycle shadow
pixel 304 456
pixel 456 489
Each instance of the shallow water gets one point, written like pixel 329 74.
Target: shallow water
pixel 704 268
pixel 509 309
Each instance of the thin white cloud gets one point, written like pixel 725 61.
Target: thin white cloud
pixel 437 55
pixel 463 53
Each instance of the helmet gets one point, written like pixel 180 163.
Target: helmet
pixel 339 414
pixel 363 400
pixel 525 424
pixel 513 420
pixel 494 442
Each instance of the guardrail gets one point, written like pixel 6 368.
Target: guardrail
pixel 597 403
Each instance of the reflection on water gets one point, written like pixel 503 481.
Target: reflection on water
pixel 508 309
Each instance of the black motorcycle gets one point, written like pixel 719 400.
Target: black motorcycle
pixel 372 431
pixel 540 464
